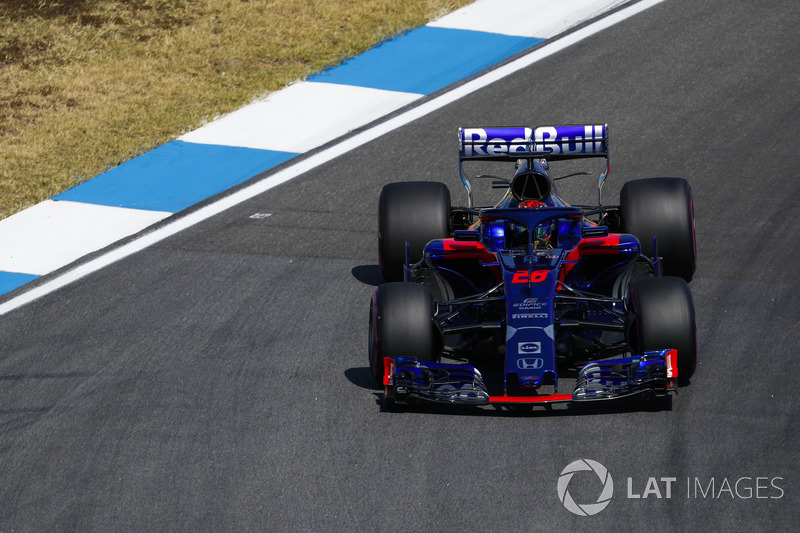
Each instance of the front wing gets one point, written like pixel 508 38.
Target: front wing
pixel 654 372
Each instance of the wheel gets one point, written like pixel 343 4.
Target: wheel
pixel 412 211
pixel 401 325
pixel 662 208
pixel 661 317
pixel 440 288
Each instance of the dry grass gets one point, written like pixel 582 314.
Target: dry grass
pixel 88 84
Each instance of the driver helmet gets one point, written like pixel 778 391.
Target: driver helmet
pixel 542 232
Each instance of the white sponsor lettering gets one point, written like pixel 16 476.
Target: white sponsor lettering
pixel 472 136
pixel 529 347
pixel 477 143
pixel 545 139
pixel 530 304
pixel 568 141
pixel 532 316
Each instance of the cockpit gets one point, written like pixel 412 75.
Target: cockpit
pixel 523 230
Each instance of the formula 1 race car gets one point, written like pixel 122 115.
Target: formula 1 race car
pixel 531 296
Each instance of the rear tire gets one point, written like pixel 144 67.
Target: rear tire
pixel 662 317
pixel 412 211
pixel 401 325
pixel 662 207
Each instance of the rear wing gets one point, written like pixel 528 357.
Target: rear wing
pixel 550 142
pixel 554 143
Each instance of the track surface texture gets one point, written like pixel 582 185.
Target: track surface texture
pixel 219 380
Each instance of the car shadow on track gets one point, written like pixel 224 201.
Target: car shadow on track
pixel 368 274
pixel 361 377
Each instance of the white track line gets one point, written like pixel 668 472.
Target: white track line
pixel 347 145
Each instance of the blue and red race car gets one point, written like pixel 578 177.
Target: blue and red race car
pixel 533 300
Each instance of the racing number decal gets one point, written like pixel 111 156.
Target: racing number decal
pixel 537 276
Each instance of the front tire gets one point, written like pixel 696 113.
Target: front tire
pixel 401 325
pixel 411 211
pixel 662 317
pixel 662 208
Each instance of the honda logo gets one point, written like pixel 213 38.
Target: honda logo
pixel 530 363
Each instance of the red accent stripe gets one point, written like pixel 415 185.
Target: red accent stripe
pixel 672 364
pixel 600 245
pixel 550 398
pixel 471 250
pixel 468 249
pixel 591 246
pixel 388 371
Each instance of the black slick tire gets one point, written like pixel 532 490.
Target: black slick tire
pixel 401 325
pixel 662 317
pixel 412 211
pixel 662 208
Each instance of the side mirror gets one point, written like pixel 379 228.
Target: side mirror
pixel 467 235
